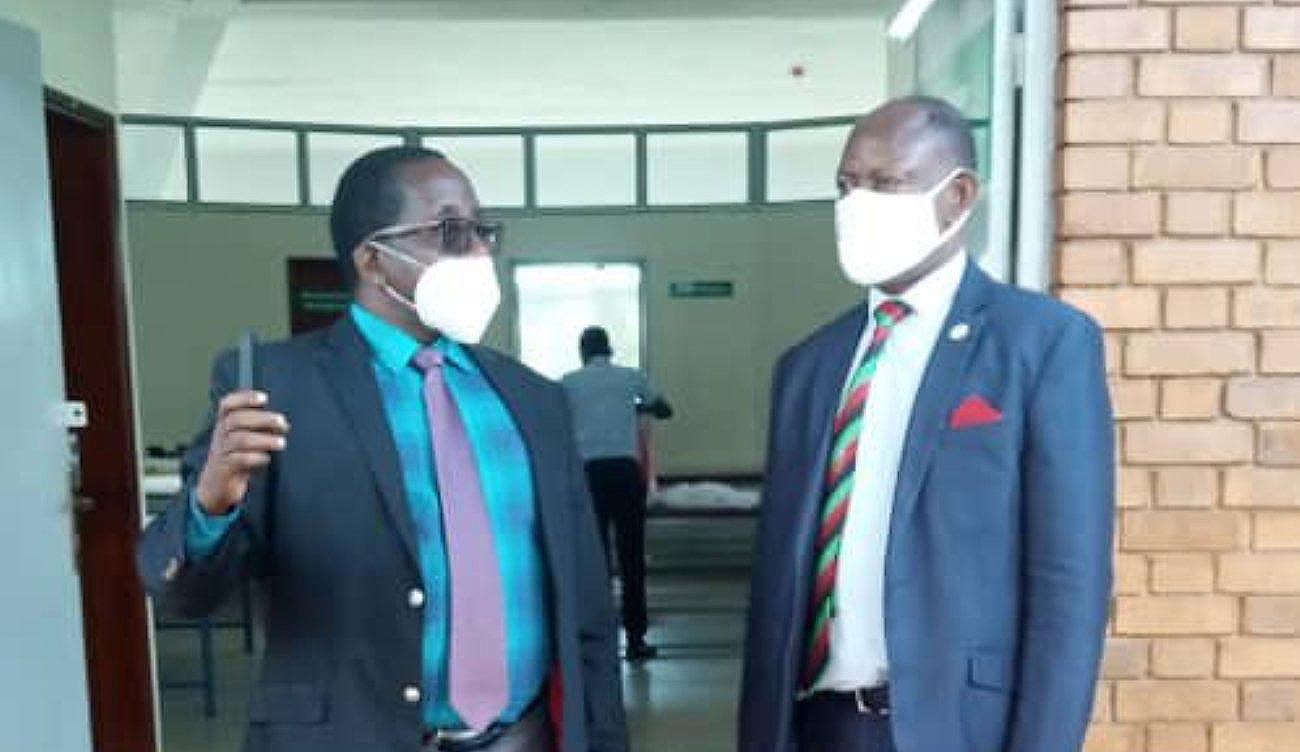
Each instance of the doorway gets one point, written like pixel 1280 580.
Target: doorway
pixel 556 301
pixel 93 308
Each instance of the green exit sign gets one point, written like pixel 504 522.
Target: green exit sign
pixel 707 289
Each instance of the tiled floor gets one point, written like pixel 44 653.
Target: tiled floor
pixel 685 700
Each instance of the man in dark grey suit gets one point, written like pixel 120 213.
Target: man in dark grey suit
pixel 410 504
pixel 934 560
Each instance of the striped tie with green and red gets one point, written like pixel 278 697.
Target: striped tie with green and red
pixel 839 491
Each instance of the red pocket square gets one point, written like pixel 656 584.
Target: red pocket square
pixel 975 411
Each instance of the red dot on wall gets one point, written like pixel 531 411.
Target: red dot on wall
pixel 797 71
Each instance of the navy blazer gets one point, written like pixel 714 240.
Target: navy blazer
pixel 998 568
pixel 328 539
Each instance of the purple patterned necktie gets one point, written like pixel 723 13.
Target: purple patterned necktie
pixel 479 679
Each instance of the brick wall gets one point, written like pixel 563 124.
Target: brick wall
pixel 1180 232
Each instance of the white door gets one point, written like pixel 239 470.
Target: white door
pixel 43 703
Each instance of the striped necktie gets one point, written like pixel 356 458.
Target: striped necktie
pixel 840 480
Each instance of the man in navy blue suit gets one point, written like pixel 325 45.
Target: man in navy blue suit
pixel 934 557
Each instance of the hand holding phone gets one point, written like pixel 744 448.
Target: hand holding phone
pixel 245 436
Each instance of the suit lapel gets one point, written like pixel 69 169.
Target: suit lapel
pixel 345 361
pixel 518 396
pixel 823 387
pixel 944 374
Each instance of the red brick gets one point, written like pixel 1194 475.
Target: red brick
pixel 1197 213
pixel 1206 29
pixel 1196 307
pixel 1259 658
pixel 1267 307
pixel 1117 30
pixel 1133 398
pixel 1189 353
pixel 1187 487
pixel 1182 574
pixel 1153 615
pixel 1183 530
pixel 1200 121
pixel 1114 121
pixel 1281 352
pixel 1284 167
pixel 1117 308
pixel 1092 262
pixel 1094 167
pixel 1202 76
pixel 1262 487
pixel 1277 531
pixel 1195 261
pixel 1271 701
pixel 1272 29
pixel 1175 701
pixel 1183 658
pixel 1178 737
pixel 1264 397
pixel 1286 76
pixel 1098 76
pixel 1255 737
pixel 1190 398
pixel 1086 215
pixel 1279 444
pixel 1195 167
pixel 1125 658
pixel 1273 615
pixel 1186 443
pixel 1260 573
pixel 1264 121
pixel 1283 263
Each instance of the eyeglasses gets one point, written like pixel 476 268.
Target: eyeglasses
pixel 449 237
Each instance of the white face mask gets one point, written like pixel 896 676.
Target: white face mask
pixel 456 295
pixel 883 236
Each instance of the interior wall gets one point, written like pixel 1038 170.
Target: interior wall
pixel 200 275
pixel 76 45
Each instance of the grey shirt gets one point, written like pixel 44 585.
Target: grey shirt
pixel 603 398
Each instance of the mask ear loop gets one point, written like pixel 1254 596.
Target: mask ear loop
pixel 957 224
pixel 388 289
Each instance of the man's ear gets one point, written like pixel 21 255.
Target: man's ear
pixel 365 260
pixel 968 189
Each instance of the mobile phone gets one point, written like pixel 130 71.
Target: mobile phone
pixel 247 348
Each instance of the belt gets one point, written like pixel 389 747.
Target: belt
pixel 871 702
pixel 468 740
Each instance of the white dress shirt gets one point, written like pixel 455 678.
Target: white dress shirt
pixel 857 656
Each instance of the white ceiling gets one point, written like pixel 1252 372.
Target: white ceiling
pixel 500 62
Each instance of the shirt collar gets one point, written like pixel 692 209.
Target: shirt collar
pixel 933 294
pixel 394 349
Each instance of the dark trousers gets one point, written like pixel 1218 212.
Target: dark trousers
pixel 619 494
pixel 833 724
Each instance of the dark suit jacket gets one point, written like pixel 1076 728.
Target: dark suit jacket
pixel 327 537
pixel 998 568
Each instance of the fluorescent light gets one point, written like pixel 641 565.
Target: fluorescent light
pixel 908 18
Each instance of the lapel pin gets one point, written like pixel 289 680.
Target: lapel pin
pixel 959 332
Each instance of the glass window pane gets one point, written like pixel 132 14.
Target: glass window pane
pixel 586 170
pixel 494 163
pixel 329 154
pixel 153 163
pixel 801 162
pixel 247 166
pixel 558 301
pixel 697 168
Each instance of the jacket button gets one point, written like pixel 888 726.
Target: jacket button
pixel 415 598
pixel 172 569
pixel 411 694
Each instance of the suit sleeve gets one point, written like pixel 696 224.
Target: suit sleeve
pixel 1068 477
pixel 597 625
pixel 762 709
pixel 192 583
